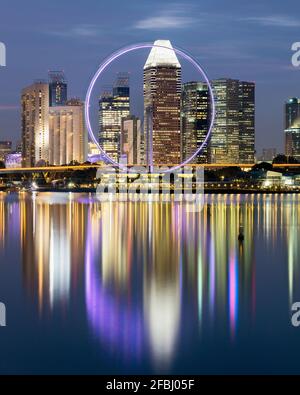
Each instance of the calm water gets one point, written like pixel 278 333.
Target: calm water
pixel 117 288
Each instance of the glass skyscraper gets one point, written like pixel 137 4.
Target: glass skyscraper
pixel 292 128
pixel 233 135
pixel 224 144
pixel 162 91
pixel 113 107
pixel 246 122
pixel 35 124
pixel 131 144
pixel 57 89
pixel 195 119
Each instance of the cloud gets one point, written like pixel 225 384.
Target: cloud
pixel 173 18
pixel 275 20
pixel 83 30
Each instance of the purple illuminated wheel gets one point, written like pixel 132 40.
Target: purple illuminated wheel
pixel 132 48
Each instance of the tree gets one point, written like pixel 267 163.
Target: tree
pixel 280 159
pixel 263 166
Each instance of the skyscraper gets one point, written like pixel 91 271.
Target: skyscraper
pixel 35 126
pixel 224 143
pixel 195 119
pixel 113 107
pixel 57 88
pixel 292 128
pixel 67 134
pixel 233 135
pixel 246 122
pixel 5 149
pixel 162 91
pixel 131 140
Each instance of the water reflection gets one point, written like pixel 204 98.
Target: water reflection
pixel 153 274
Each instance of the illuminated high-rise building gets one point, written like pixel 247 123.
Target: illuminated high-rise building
pixel 195 119
pixel 35 126
pixel 113 107
pixel 246 122
pixel 5 149
pixel 292 128
pixel 57 89
pixel 67 134
pixel 162 91
pixel 233 135
pixel 224 142
pixel 131 140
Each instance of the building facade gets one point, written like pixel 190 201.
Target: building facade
pixel 292 128
pixel 246 122
pixel 267 154
pixel 162 96
pixel 224 143
pixel 67 134
pixel 58 94
pixel 195 120
pixel 113 107
pixel 131 140
pixel 5 149
pixel 35 125
pixel 233 135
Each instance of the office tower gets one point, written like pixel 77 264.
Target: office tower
pixel 113 107
pixel 233 135
pixel 5 149
pixel 224 143
pixel 35 126
pixel 195 120
pixel 57 88
pixel 131 140
pixel 246 122
pixel 19 146
pixel 268 154
pixel 292 128
pixel 67 134
pixel 162 91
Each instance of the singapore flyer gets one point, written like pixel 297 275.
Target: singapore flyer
pixel 135 47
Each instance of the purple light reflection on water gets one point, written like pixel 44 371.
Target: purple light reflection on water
pixel 115 324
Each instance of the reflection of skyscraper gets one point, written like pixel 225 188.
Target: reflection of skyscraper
pixel 52 240
pixel 194 120
pixel 112 108
pixel 131 139
pixel 162 87
pixel 67 140
pixel 57 89
pixel 292 128
pixel 35 127
pixel 161 282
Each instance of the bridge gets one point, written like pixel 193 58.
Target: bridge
pixel 47 169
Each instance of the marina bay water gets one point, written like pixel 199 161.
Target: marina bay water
pixel 149 287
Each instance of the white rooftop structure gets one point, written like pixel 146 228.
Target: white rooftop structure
pixel 162 56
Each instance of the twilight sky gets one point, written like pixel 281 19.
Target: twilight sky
pixel 230 38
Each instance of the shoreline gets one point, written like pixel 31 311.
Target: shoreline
pixel 206 191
